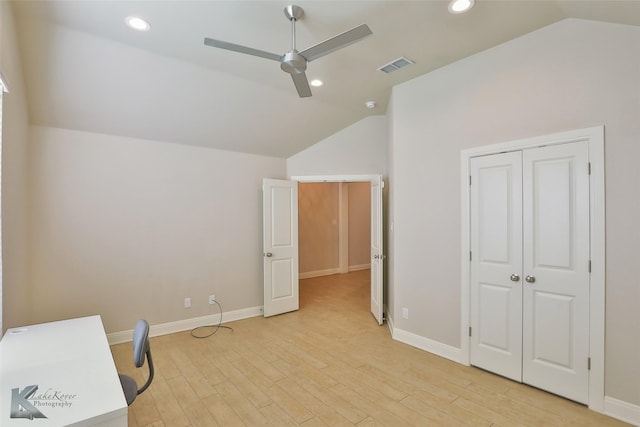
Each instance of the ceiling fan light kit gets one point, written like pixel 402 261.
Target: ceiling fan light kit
pixel 294 62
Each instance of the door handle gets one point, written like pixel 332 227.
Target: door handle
pixel 530 279
pixel 268 254
pixel 376 256
pixel 514 277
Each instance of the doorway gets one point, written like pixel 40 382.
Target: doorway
pixel 334 235
pixel 376 246
pixel 280 242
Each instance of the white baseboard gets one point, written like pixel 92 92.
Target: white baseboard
pixel 389 320
pixel 435 347
pixel 622 410
pixel 330 271
pixel 359 267
pixel 187 324
pixel 318 273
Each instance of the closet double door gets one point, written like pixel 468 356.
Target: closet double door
pixel 530 267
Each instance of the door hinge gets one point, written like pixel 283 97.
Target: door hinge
pixel 588 363
pixel 469 179
pixel 469 330
pixel 589 167
pixel 589 266
pixel 470 256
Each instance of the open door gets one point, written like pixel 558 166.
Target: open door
pixel 280 200
pixel 280 246
pixel 377 250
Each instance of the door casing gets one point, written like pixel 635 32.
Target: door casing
pixel 594 136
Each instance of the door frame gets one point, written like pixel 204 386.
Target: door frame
pixel 372 178
pixel 594 136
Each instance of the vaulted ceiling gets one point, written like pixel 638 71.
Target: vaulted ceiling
pixel 86 70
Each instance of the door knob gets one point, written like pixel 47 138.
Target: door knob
pixel 268 254
pixel 530 279
pixel 376 256
pixel 514 277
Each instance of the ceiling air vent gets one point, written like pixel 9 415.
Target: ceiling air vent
pixel 395 65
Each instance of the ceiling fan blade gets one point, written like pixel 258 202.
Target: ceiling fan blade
pixel 241 49
pixel 337 42
pixel 302 85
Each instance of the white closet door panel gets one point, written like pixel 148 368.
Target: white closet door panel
pixel 556 255
pixel 496 243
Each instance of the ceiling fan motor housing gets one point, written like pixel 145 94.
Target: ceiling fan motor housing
pixel 292 62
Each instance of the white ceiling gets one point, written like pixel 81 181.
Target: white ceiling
pixel 86 70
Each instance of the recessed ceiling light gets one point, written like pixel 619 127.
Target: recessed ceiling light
pixel 137 23
pixel 460 6
pixel 316 83
pixel 370 104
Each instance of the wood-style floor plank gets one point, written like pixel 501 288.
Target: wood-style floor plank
pixel 328 364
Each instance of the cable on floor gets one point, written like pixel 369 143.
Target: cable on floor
pixel 217 327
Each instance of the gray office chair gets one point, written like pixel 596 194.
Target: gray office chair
pixel 140 348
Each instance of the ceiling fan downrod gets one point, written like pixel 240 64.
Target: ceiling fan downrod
pixel 293 13
pixel 292 61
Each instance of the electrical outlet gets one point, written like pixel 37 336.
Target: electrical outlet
pixel 187 302
pixel 212 299
pixel 405 313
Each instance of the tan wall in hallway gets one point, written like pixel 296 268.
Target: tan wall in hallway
pixel 359 223
pixel 319 225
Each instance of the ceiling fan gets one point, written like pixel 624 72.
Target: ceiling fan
pixel 294 62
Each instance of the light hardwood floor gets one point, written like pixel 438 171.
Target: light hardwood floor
pixel 328 364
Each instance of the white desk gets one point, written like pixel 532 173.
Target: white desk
pixel 71 365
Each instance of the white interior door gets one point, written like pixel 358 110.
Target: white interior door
pixel 280 246
pixel 556 269
pixel 529 296
pixel 377 251
pixel 496 258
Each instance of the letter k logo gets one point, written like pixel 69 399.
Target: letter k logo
pixel 21 407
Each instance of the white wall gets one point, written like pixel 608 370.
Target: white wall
pixel 128 228
pixel 358 149
pixel 14 289
pixel 572 74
